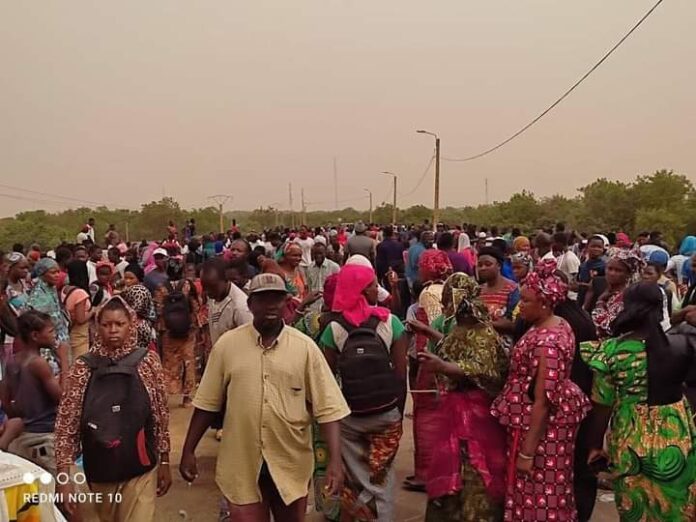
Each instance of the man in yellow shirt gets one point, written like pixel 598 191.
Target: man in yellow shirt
pixel 274 380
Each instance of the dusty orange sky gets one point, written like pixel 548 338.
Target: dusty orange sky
pixel 120 102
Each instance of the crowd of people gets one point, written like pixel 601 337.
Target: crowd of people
pixel 534 363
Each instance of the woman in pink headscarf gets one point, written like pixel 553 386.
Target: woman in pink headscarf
pixel 371 434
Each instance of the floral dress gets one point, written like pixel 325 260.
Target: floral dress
pixel 605 312
pixel 651 448
pixel 547 492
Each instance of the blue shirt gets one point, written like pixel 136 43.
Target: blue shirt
pixel 390 253
pixel 414 254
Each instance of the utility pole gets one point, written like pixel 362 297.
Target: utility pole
pixel 221 199
pixel 486 191
pixel 370 193
pixel 292 210
pixel 394 204
pixel 436 202
pixel 304 208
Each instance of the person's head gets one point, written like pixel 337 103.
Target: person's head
pixel 490 262
pixel 213 278
pixel 329 292
pixel 63 256
pixel 161 258
pixel 434 265
pixel 114 324
pixel 656 237
pixel 36 329
pixel 595 247
pixel 292 255
pixel 652 272
pixel 521 244
pixel 90 222
pixel 112 227
pixel 80 254
pixel 95 253
pixel 643 238
pixel 621 266
pixel 237 273
pixel 388 232
pixel 17 266
pixel 48 270
pixel 560 243
pixel 105 272
pixel 500 244
pixel 427 238
pixel 133 275
pixel 541 292
pixel 303 232
pixel 642 311
pixel 139 299
pixel 190 271
pixel 319 253
pixel 360 228
pixel 623 241
pixel 114 255
pixel 239 250
pixel 78 274
pixel 460 297
pixel 560 227
pixel 520 263
pixel 542 242
pixel 446 241
pixel 267 299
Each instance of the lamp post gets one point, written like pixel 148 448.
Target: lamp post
pixel 370 193
pixel 394 204
pixel 436 203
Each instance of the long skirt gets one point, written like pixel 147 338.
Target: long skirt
pixel 369 445
pixel 179 364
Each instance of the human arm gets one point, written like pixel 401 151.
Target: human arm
pixel 200 422
pixel 160 412
pixel 393 281
pixel 428 331
pixel 538 418
pixel 82 315
pixel 399 359
pixel 43 373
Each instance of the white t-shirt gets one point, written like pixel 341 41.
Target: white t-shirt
pixel 306 246
pixel 568 263
pixel 82 237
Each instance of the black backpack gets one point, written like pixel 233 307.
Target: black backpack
pixel 368 381
pixel 118 439
pixel 177 314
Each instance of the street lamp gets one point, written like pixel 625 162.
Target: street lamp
pixel 370 193
pixel 436 204
pixel 394 204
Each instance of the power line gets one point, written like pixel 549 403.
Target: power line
pixel 565 94
pixel 34 200
pixel 422 178
pixel 56 196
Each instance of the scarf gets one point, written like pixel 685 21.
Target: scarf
pixel 349 299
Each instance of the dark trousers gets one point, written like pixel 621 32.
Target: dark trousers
pixel 585 480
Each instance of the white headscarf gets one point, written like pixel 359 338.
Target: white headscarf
pixel 464 242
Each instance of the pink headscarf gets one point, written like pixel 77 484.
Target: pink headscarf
pixel 349 299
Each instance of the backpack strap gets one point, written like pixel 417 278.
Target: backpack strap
pixel 370 324
pixel 95 361
pixel 133 359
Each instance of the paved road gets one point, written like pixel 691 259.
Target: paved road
pixel 199 502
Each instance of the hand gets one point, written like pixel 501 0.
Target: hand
pixel 164 479
pixel 524 465
pixel 188 468
pixel 312 297
pixel 392 278
pixel 334 478
pixel 68 506
pixel 418 326
pixel 431 362
pixel 596 454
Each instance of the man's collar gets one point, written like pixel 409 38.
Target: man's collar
pixel 259 338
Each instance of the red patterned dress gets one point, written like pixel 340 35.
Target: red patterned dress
pixel 547 492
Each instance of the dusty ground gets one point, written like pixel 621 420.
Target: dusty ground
pixel 200 501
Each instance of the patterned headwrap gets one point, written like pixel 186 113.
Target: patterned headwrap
pixel 139 299
pixel 522 258
pixel 546 284
pixel 461 293
pixel 102 264
pixel 131 342
pixel 434 265
pixel 44 265
pixel 520 242
pixel 622 240
pixel 632 259
pixel 13 258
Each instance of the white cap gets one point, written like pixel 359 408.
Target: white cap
pixel 482 235
pixel 160 252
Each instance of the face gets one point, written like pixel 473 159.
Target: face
pixel 616 273
pixel 91 222
pixel 371 293
pixel 104 276
pixel 524 247
pixel 129 279
pixel 488 268
pixel 520 270
pixel 96 255
pixel 46 337
pixel 81 255
pixel 267 309
pixel 319 254
pixel 114 326
pixel 52 276
pixel 190 271
pixel 20 270
pixel 303 233
pixel 238 250
pixel 235 277
pixel 428 238
pixel 160 294
pixel 161 262
pixel 293 256
pixel 213 286
pixel 595 248
pixel 114 257
pixel 131 256
pixel 531 307
pixel 650 274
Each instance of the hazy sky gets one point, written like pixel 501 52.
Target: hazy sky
pixel 118 102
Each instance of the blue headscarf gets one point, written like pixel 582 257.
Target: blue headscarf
pixel 688 246
pixel 687 273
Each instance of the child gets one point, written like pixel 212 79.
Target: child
pixel 31 393
pixel 102 289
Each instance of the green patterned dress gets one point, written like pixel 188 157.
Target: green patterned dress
pixel 651 448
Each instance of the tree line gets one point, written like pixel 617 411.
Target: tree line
pixel 663 201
